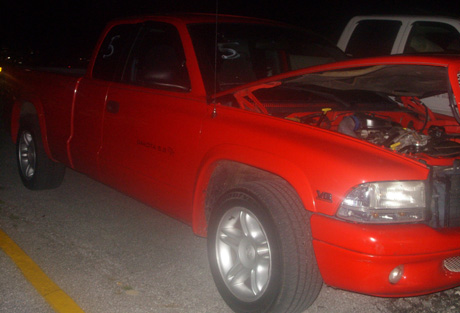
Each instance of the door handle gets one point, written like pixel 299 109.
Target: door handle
pixel 112 106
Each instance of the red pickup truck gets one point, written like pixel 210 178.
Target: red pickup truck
pixel 338 172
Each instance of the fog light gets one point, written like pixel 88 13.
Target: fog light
pixel 396 274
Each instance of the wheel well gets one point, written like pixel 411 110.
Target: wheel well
pixel 28 108
pixel 229 174
pixel 24 108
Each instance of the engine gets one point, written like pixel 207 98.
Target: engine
pixel 386 133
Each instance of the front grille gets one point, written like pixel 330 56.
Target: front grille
pixel 452 264
pixel 453 201
pixel 445 196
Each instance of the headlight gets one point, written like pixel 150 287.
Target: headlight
pixel 385 202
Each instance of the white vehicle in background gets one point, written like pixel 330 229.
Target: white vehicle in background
pixel 374 35
pixel 377 35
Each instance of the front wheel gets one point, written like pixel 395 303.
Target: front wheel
pixel 260 249
pixel 36 170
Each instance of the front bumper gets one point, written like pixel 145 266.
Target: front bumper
pixel 360 257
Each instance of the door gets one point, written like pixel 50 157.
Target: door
pixel 90 100
pixel 152 124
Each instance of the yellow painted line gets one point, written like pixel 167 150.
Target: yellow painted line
pixel 54 295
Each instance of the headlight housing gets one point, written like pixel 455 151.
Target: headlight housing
pixel 385 202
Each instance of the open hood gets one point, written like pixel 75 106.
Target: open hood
pixel 428 83
pixel 432 80
pixel 399 80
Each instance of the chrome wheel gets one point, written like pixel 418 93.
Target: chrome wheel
pixel 243 254
pixel 36 169
pixel 27 155
pixel 260 249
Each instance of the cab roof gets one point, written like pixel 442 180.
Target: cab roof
pixel 194 18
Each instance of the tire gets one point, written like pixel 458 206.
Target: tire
pixel 263 226
pixel 36 170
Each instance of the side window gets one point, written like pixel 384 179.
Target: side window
pixel 113 52
pixel 373 38
pixel 432 37
pixel 158 59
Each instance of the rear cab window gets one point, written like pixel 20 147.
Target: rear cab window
pixel 433 37
pixel 373 38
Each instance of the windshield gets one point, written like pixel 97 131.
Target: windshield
pixel 248 52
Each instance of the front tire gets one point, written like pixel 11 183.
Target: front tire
pixel 260 249
pixel 36 170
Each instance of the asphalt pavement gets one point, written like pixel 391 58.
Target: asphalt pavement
pixel 111 253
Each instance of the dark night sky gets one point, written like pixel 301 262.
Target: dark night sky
pixel 59 24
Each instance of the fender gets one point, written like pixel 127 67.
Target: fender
pixel 32 105
pixel 255 158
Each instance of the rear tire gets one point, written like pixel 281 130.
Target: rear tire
pixel 260 249
pixel 36 170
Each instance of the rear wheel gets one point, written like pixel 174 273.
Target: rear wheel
pixel 36 170
pixel 260 249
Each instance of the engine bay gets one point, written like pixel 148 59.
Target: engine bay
pixel 403 132
pixel 385 105
pixel 392 135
